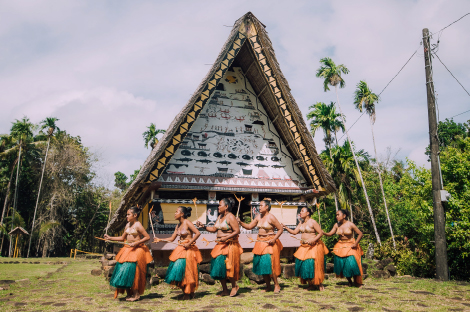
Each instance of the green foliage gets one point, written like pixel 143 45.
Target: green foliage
pixel 325 117
pixel 120 180
pixel 331 73
pixel 150 136
pixel 364 98
pixel 448 132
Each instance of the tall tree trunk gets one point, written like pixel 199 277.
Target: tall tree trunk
pixel 15 198
pixel 7 197
pixel 381 184
pixel 359 170
pixel 331 157
pixel 39 193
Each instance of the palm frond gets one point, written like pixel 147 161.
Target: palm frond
pixel 46 226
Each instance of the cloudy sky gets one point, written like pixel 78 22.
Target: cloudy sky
pixel 107 69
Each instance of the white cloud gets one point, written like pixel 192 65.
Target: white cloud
pixel 108 69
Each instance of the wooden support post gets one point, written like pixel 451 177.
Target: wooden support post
pixel 442 267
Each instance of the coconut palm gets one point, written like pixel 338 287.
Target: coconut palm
pixel 325 117
pixel 331 74
pixel 50 124
pixel 365 99
pixel 22 132
pixel 150 136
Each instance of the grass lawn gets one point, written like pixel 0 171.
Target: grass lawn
pixel 73 288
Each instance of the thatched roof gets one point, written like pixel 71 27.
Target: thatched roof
pixel 18 230
pixel 250 48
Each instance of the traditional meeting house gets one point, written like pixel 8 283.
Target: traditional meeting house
pixel 242 134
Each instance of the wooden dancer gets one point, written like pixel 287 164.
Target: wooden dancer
pixel 348 252
pixel 225 264
pixel 310 257
pixel 130 272
pixel 184 260
pixel 267 249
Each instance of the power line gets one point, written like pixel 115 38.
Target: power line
pixel 451 73
pixel 352 125
pixel 450 24
pixel 460 114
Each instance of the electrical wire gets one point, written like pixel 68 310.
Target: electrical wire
pixel 450 24
pixel 451 73
pixel 460 114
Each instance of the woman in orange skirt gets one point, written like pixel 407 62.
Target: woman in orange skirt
pixel 348 252
pixel 184 260
pixel 225 264
pixel 267 249
pixel 130 271
pixel 310 257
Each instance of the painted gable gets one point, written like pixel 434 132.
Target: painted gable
pixel 233 143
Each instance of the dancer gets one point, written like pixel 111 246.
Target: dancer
pixel 267 249
pixel 184 260
pixel 348 252
pixel 310 257
pixel 131 268
pixel 225 264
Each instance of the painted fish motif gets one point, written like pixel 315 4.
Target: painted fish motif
pixel 177 165
pixel 218 155
pixel 186 153
pixel 274 158
pixel 202 153
pixel 246 157
pixel 261 166
pixel 242 164
pixel 224 162
pixel 186 159
pixel 232 156
pixel 260 158
pixel 204 161
pixel 277 166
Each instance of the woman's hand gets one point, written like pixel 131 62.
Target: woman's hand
pixel 354 246
pixel 222 239
pixel 199 224
pixel 311 242
pixel 239 221
pixel 283 226
pixel 107 237
pixel 187 245
pixel 133 244
pixel 271 242
pixel 157 240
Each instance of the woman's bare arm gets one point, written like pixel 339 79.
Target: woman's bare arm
pixel 317 228
pixel 359 234
pixel 296 231
pixel 140 229
pixel 332 232
pixel 273 221
pixel 196 232
pixel 251 225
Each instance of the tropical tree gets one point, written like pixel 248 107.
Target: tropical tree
pixel 50 124
pixel 325 117
pixel 331 74
pixel 22 132
pixel 365 99
pixel 150 136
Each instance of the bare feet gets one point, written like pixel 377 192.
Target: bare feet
pixel 234 291
pixel 186 297
pixel 277 289
pixel 192 295
pixel 321 287
pixel 134 298
pixel 267 289
pixel 358 285
pixel 310 287
pixel 223 294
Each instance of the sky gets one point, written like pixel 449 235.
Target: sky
pixel 107 69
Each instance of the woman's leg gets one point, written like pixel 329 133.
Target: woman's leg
pixel 224 288
pixel 267 280
pixel 277 287
pixel 235 287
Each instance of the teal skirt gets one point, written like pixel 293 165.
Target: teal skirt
pixel 123 275
pixel 346 266
pixel 305 269
pixel 219 268
pixel 175 272
pixel 262 265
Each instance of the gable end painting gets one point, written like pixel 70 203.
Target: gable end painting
pixel 240 133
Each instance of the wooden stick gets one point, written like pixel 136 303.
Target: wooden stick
pixel 255 240
pixel 109 217
pixel 281 203
pixel 208 241
pixel 195 205
pixel 239 202
pixel 151 223
pixel 111 241
pixel 318 208
pixel 162 240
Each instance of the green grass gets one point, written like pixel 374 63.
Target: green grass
pixel 74 288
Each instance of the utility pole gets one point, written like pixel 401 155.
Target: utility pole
pixel 442 268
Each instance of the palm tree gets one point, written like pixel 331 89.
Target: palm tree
pixel 22 131
pixel 49 124
pixel 364 98
pixel 150 136
pixel 331 73
pixel 325 117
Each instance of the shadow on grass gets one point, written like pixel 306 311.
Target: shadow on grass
pixel 197 295
pixel 244 290
pixel 151 296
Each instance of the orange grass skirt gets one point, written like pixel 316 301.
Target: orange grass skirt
pixel 342 249
pixel 262 248
pixel 232 250
pixel 193 257
pixel 140 254
pixel 317 252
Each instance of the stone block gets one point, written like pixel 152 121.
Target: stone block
pixel 246 258
pixel 379 266
pixel 96 272
pixel 364 276
pixel 110 256
pixel 207 279
pixel 386 262
pixel 154 281
pixel 161 272
pixel 112 262
pixel 329 268
pixel 364 268
pixel 288 270
pixel 108 270
pixel 252 276
pixel 391 269
pixel 205 268
pixel 370 251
